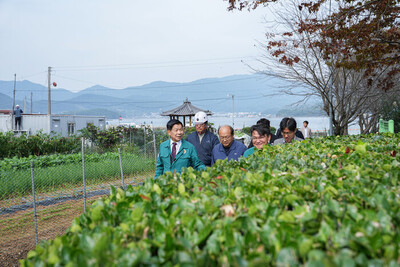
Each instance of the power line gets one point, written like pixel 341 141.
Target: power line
pixel 31 75
pixel 155 64
pixel 117 102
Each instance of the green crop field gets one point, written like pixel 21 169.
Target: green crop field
pixel 321 202
pixel 60 170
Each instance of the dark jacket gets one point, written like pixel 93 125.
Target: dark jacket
pixel 186 157
pixel 236 151
pixel 204 149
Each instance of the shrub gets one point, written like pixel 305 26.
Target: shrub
pixel 320 202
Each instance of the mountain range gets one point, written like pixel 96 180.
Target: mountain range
pixel 251 93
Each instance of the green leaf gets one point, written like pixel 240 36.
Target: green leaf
pixel 287 257
pixel 181 189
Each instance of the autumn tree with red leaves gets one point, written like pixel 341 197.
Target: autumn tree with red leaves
pixel 294 57
pixel 303 48
pixel 365 33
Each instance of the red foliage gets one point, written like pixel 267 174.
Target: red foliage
pixel 360 35
pixel 144 197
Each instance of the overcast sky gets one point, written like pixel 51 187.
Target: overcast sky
pixel 123 43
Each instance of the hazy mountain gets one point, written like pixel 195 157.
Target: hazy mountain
pixel 252 93
pixel 96 112
pixel 5 101
pixel 39 92
pixel 301 110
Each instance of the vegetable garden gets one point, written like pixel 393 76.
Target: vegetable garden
pixel 321 202
pixel 60 170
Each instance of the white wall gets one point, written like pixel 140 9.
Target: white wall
pixel 5 123
pixel 34 123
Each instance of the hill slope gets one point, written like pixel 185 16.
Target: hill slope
pixel 251 93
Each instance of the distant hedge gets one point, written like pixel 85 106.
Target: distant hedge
pixel 38 144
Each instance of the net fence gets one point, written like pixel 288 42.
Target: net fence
pixel 40 199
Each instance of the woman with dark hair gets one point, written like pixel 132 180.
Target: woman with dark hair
pixel 265 123
pixel 288 127
pixel 260 137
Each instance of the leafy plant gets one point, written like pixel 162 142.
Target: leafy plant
pixel 38 144
pixel 319 202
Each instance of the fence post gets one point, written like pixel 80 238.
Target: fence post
pixel 155 147
pixel 122 171
pixel 34 204
pixel 83 173
pixel 144 140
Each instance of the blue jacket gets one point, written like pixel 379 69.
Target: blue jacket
pixel 18 112
pixel 204 149
pixel 236 151
pixel 186 157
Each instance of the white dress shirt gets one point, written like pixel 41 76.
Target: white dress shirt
pixel 178 146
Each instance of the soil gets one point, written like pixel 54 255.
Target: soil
pixel 17 230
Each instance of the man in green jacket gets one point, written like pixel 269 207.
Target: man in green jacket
pixel 176 153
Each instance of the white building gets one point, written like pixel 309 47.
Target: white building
pixel 64 125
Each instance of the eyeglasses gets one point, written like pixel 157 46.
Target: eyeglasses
pixel 225 137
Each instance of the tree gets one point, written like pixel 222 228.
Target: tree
pixel 295 55
pixel 364 34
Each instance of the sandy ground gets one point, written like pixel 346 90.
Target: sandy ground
pixel 17 230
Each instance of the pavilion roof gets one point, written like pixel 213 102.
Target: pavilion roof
pixel 187 109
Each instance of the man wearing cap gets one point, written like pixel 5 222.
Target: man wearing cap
pixel 18 117
pixel 203 140
pixel 176 153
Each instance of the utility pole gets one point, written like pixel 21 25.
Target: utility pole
pixel 15 85
pixel 233 111
pixel 49 89
pixel 13 107
pixel 31 103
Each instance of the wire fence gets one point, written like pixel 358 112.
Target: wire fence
pixel 40 201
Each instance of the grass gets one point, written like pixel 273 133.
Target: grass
pixel 19 182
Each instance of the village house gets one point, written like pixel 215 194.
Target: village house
pixel 64 125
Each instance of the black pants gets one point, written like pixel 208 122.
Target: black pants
pixel 18 122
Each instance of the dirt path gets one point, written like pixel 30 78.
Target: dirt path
pixel 17 230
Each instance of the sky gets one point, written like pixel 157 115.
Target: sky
pixel 124 43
